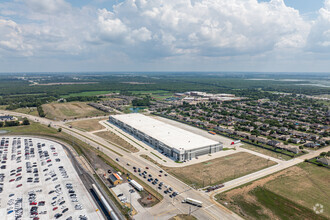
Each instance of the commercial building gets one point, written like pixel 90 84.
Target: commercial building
pixel 174 142
pixel 115 179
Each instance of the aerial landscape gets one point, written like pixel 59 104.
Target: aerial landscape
pixel 169 110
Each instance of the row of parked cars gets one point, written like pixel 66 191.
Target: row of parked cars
pixel 39 166
pixel 155 181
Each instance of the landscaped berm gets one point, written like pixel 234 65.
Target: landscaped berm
pixel 70 110
pixel 220 170
pixel 299 192
pixel 87 125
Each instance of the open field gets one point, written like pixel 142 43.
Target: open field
pixel 70 110
pixel 87 125
pixel 90 93
pixel 265 151
pixel 29 111
pixel 220 170
pixel 149 92
pixel 112 137
pixel 288 194
pixel 62 83
pixel 3 107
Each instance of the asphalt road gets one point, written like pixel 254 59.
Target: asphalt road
pixel 211 209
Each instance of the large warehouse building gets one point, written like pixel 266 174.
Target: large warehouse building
pixel 175 142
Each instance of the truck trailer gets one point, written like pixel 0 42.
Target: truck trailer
pixel 136 185
pixel 193 202
pixel 235 142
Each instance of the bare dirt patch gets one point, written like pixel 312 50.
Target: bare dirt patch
pixel 183 217
pixel 70 110
pixel 220 170
pixel 88 125
pixel 115 139
pixel 147 199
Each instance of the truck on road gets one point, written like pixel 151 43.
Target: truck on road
pixel 193 202
pixel 235 142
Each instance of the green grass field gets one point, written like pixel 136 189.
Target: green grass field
pixel 95 93
pixel 288 194
pixel 282 207
pixel 266 152
pixel 308 184
pixel 90 93
pixel 29 111
pixel 149 92
pixel 220 170
pixel 33 128
pixel 70 110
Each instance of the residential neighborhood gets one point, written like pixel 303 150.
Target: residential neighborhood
pixel 281 122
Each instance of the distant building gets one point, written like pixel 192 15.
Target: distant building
pixel 115 179
pixel 6 118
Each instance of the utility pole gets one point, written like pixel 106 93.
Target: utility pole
pixel 130 202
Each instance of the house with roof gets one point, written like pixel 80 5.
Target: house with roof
pixel 324 160
pixel 6 118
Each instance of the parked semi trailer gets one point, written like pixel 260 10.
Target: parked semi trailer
pixel 193 202
pixel 136 185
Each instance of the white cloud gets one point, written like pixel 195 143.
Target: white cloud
pixel 319 37
pixel 47 6
pixel 11 39
pixel 161 29
pixel 208 27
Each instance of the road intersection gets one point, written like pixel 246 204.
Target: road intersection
pixel 169 206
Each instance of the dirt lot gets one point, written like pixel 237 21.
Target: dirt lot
pixel 112 137
pixel 183 217
pixel 220 170
pixel 70 110
pixel 88 125
pixel 147 199
pixel 289 193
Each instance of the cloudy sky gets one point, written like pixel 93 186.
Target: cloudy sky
pixel 165 35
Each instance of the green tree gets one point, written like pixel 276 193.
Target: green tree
pixel 26 121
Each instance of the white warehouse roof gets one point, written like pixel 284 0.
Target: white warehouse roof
pixel 168 134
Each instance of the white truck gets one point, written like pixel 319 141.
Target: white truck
pixel 193 202
pixel 235 142
pixel 136 185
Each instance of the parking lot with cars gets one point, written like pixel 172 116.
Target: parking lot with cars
pixel 38 181
pixel 155 180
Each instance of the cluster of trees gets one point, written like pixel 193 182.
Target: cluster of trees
pixel 83 99
pixel 41 111
pixel 145 101
pixel 14 123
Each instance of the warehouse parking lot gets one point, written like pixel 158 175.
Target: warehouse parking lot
pixel 38 181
